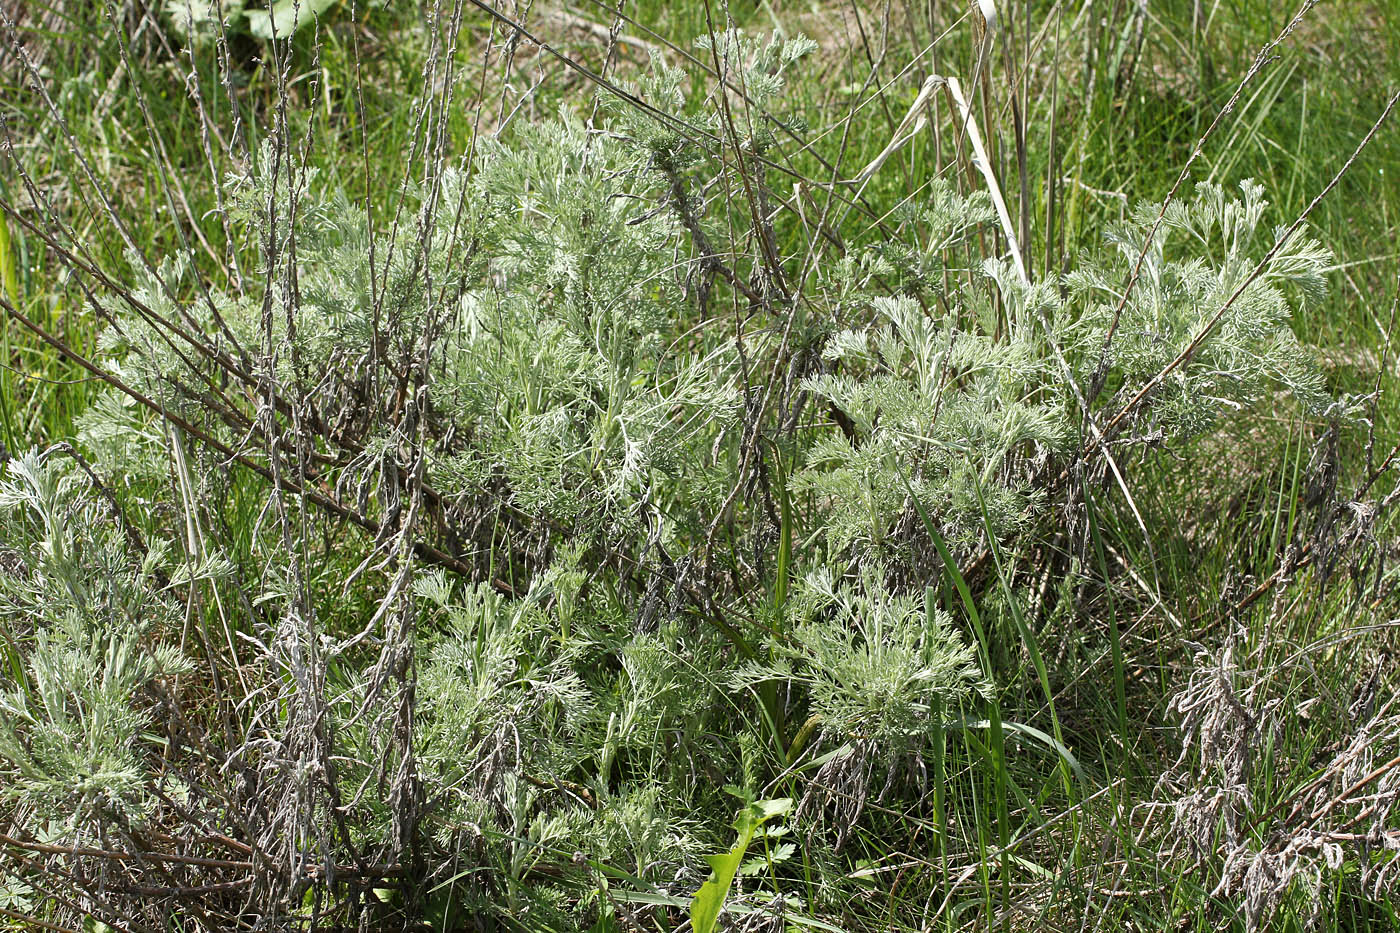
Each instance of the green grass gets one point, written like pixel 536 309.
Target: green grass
pixel 1086 645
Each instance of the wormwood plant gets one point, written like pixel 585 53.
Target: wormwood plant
pixel 85 605
pixel 583 488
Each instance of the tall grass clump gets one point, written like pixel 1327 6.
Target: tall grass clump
pixel 605 485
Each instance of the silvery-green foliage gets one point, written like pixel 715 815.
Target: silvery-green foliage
pixel 755 70
pixel 563 367
pixel 123 436
pixel 1206 250
pixel 515 703
pixel 69 732
pixel 963 401
pixel 544 296
pixel 759 63
pixel 84 606
pixel 539 346
pixel 500 679
pixel 881 669
pixel 944 413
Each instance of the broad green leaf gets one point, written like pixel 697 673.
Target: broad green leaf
pixel 709 900
pixel 286 17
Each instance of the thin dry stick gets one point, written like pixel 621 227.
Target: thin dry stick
pixel 1376 390
pixel 984 165
pixel 916 119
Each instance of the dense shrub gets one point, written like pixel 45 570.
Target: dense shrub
pixel 579 498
